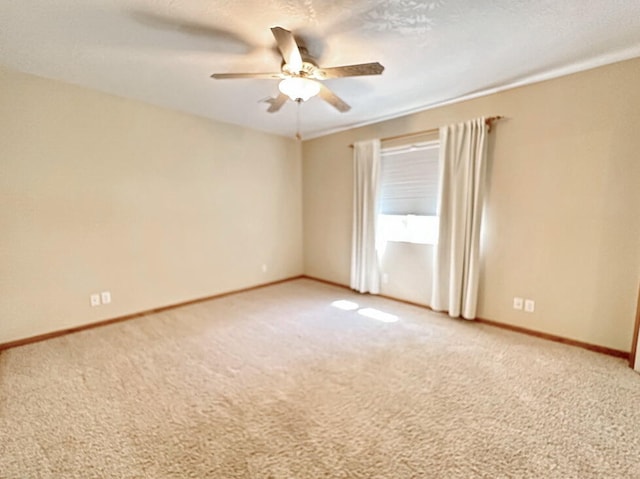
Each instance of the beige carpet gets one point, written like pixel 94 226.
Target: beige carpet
pixel 278 383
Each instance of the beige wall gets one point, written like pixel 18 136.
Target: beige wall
pixel 102 193
pixel 563 210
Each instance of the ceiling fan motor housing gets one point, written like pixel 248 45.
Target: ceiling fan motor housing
pixel 308 70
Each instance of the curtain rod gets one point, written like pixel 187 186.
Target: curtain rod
pixel 488 121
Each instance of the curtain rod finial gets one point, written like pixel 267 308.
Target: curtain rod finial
pixel 489 121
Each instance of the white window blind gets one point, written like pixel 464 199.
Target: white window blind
pixel 409 183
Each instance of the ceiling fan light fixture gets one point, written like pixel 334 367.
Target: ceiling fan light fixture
pixel 299 88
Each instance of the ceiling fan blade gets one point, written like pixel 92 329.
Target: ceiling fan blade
pixel 333 99
pixel 276 103
pixel 288 48
pixel 350 70
pixel 268 76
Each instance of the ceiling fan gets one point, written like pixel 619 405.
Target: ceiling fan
pixel 301 77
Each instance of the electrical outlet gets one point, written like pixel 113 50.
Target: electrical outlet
pixel 385 278
pixel 95 299
pixel 105 297
pixel 517 303
pixel 264 268
pixel 529 305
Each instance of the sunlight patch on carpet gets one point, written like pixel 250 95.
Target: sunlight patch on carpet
pixel 345 305
pixel 374 313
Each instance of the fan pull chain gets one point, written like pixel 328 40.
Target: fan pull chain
pixel 298 135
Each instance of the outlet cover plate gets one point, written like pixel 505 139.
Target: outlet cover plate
pixel 529 305
pixel 95 299
pixel 518 303
pixel 105 296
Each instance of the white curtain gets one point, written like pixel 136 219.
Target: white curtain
pixel 463 152
pixel 365 275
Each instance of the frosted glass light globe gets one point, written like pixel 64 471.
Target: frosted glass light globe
pixel 298 88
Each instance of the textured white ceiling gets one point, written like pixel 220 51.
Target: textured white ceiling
pixel 163 51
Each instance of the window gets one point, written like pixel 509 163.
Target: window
pixel 409 193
